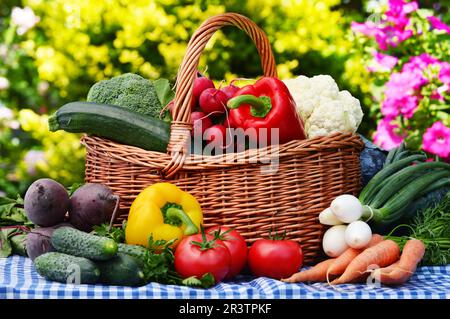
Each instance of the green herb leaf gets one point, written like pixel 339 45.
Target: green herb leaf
pixel 12 212
pixel 5 246
pixel 115 233
pixel 206 281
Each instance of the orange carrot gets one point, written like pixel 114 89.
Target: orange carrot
pixel 400 272
pixel 341 262
pixel 382 254
pixel 317 273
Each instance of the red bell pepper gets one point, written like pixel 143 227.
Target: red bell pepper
pixel 266 104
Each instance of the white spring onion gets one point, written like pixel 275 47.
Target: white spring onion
pixel 326 217
pixel 347 208
pixel 358 234
pixel 333 242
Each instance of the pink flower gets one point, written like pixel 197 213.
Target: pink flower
pixel 436 140
pixel 385 136
pixel 369 29
pixel 437 24
pixel 444 73
pixel 398 12
pixel 420 62
pixel 405 105
pixel 392 36
pixel 382 62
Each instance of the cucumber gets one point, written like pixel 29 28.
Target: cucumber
pixel 74 242
pixel 137 252
pixel 122 270
pixel 112 122
pixel 66 269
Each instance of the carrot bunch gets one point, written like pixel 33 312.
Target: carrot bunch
pixel 354 265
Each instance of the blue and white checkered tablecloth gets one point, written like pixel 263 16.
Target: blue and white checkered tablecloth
pixel 19 280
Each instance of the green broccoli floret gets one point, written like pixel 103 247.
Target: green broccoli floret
pixel 128 90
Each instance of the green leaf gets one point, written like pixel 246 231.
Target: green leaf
pixel 163 91
pixel 12 212
pixel 206 281
pixel 115 233
pixel 5 246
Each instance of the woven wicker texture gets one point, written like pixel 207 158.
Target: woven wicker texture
pixel 236 190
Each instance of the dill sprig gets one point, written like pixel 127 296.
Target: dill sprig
pixel 432 227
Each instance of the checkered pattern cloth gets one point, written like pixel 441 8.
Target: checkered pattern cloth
pixel 19 280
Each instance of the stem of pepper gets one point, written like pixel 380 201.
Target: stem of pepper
pixel 191 229
pixel 260 106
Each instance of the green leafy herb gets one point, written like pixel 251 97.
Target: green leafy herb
pixel 12 212
pixel 13 240
pixel 159 265
pixel 115 233
pixel 206 281
pixel 432 227
pixel 5 246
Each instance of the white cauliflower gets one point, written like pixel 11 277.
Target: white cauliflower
pixel 323 108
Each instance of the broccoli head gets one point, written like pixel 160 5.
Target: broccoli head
pixel 128 90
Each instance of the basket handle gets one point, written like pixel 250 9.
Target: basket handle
pixel 181 126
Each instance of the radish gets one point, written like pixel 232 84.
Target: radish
pixel 347 208
pixel 326 217
pixel 216 134
pixel 200 85
pixel 213 100
pixel 230 90
pixel 200 123
pixel 333 242
pixel 358 234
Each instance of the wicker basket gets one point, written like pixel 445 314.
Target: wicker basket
pixel 232 189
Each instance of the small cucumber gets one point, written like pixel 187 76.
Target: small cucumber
pixel 138 252
pixel 122 270
pixel 66 269
pixel 77 243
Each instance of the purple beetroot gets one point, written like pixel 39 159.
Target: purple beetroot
pixel 46 202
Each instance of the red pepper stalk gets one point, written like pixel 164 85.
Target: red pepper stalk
pixel 266 104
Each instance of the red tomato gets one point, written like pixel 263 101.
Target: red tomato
pixel 275 258
pixel 236 245
pixel 191 260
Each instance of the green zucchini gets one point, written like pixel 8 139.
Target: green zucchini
pixel 77 243
pixel 112 122
pixel 66 269
pixel 122 270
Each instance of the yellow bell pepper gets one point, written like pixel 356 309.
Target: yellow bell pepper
pixel 164 211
